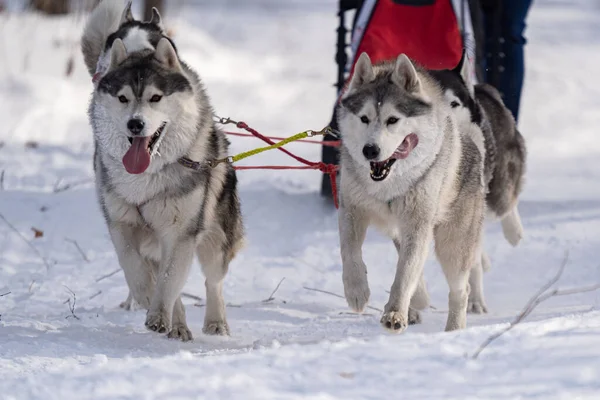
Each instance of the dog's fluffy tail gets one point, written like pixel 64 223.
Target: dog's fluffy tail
pixel 512 227
pixel 103 21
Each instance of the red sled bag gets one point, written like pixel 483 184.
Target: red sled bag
pixel 428 31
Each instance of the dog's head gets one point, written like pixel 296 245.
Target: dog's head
pixel 386 118
pixel 143 106
pixel 459 91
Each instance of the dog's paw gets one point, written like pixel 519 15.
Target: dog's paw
pixel 414 316
pixel 129 304
pixel 158 322
pixel 180 332
pixel 357 293
pixel 476 304
pixel 216 328
pixel 476 307
pixel 394 321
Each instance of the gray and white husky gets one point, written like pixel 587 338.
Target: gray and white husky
pixel 409 170
pixel 154 139
pixel 481 105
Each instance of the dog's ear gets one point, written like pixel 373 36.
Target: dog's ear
pixel 405 75
pixel 461 62
pixel 118 54
pixel 127 16
pixel 156 19
pixel 363 72
pixel 465 70
pixel 166 55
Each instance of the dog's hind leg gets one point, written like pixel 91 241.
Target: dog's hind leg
pixel 129 304
pixel 353 224
pixel 476 299
pixel 476 303
pixel 512 227
pixel 214 260
pixel 138 273
pixel 179 329
pixel 486 264
pixel 458 249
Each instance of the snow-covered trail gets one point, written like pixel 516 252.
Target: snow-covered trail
pixel 271 64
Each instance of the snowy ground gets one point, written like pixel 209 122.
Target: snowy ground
pixel 270 63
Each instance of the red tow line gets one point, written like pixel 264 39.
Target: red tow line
pixel 329 169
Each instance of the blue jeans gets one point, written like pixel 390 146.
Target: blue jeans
pixel 504 63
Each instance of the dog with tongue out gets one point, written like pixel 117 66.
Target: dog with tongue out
pixel 409 170
pixel 154 138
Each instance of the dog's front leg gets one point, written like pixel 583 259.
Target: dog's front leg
pixel 138 273
pixel 353 224
pixel 412 254
pixel 177 254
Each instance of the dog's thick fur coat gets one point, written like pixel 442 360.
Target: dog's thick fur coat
pixel 431 190
pixel 160 217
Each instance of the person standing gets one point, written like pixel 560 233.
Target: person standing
pixel 504 61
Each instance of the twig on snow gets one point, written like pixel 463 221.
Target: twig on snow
pixel 98 293
pixel 191 296
pixel 540 296
pixel 67 186
pixel 271 298
pixel 5 294
pixel 337 295
pixel 36 251
pixel 108 275
pixel 79 249
pixel 31 285
pixel 200 305
pixel 2 180
pixel 324 291
pixel 71 305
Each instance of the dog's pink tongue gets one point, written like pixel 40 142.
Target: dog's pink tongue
pixel 409 143
pixel 137 158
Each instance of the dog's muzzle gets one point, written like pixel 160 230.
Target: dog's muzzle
pixel 381 169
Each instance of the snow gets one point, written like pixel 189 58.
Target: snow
pixel 270 63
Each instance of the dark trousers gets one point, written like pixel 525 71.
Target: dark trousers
pixel 504 62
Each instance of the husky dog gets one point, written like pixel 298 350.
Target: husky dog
pixel 154 139
pixel 481 105
pixel 408 170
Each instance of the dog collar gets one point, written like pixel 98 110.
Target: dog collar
pixel 195 165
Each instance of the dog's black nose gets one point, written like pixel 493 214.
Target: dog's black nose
pixel 135 125
pixel 371 151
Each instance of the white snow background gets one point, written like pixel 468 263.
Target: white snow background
pixel 271 64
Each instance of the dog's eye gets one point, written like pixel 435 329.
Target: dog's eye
pixel 454 104
pixel 392 120
pixel 155 99
pixel 123 99
pixel 364 119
